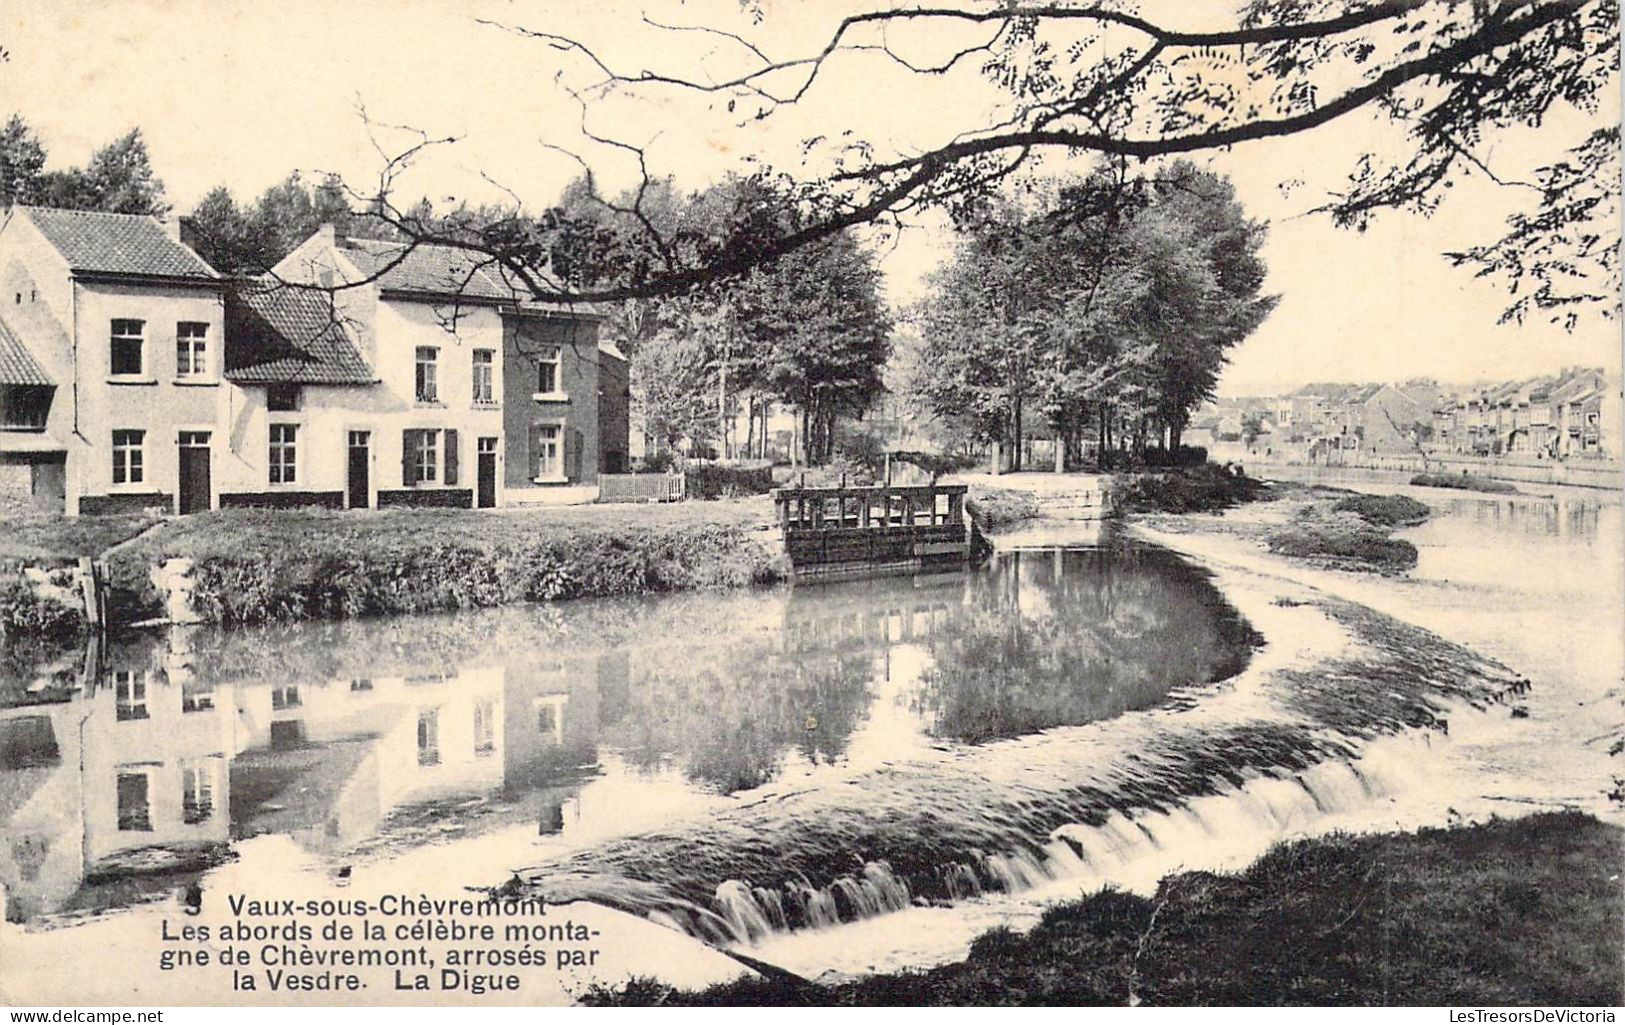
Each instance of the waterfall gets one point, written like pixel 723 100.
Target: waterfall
pixel 1222 830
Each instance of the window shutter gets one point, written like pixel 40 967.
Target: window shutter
pixel 451 457
pixel 407 465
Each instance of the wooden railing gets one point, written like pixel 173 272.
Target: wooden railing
pixel 881 507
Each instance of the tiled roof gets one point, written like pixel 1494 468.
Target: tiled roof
pixel 17 364
pixel 280 334
pixel 116 243
pixel 429 270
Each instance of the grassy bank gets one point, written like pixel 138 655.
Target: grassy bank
pixel 1205 488
pixel 1512 912
pixel 1463 482
pixel 257 566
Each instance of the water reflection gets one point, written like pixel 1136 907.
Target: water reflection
pixel 135 768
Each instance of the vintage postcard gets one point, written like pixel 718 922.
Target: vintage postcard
pixel 512 503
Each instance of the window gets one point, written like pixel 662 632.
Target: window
pixel 428 458
pixel 133 811
pixel 484 377
pixel 546 459
pixel 24 407
pixel 485 737
pixel 130 695
pixel 284 453
pixel 421 457
pixel 284 698
pixel 197 792
pixel 126 358
pixel 547 373
pixel 282 398
pixel 191 349
pixel 197 697
pixel 428 385
pixel 128 458
pixel 429 736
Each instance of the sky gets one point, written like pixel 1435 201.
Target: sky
pixel 240 93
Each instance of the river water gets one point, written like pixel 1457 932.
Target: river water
pixel 840 777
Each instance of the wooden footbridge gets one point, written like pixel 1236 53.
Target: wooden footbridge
pixel 884 528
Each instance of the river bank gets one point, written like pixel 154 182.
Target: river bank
pixel 244 567
pixel 1510 912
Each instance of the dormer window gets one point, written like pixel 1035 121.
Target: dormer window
pixel 282 398
pixel 127 352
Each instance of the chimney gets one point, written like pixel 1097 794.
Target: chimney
pixel 172 226
pixel 328 234
pixel 186 232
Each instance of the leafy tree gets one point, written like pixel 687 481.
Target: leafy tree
pixel 1108 299
pixel 118 179
pixel 816 334
pixel 22 161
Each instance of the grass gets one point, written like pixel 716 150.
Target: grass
pixel 261 565
pixel 1463 482
pixel 1205 488
pixel 1342 541
pixel 37 540
pixel 1384 510
pixel 1519 912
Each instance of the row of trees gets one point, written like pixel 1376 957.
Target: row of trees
pixel 809 329
pixel 1100 307
pixel 117 178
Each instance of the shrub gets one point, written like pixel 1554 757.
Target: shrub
pixel 328 579
pixel 1345 541
pixel 710 481
pixel 1463 482
pixel 1184 455
pixel 1385 510
pixel 936 464
pixel 1204 488
pixel 24 611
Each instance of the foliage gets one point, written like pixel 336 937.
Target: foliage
pixel 22 161
pixel 1463 482
pixel 1342 541
pixel 712 481
pixel 1110 303
pixel 1385 510
pixel 1205 488
pixel 118 178
pixel 252 238
pixel 26 611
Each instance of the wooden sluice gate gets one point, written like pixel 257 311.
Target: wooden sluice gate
pixel 885 528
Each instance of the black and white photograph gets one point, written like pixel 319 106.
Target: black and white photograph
pixel 818 503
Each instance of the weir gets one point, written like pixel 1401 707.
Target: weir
pixel 885 528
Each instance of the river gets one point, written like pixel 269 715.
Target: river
pixel 836 778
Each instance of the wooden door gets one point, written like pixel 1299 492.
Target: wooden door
pixel 194 487
pixel 486 476
pixel 358 490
